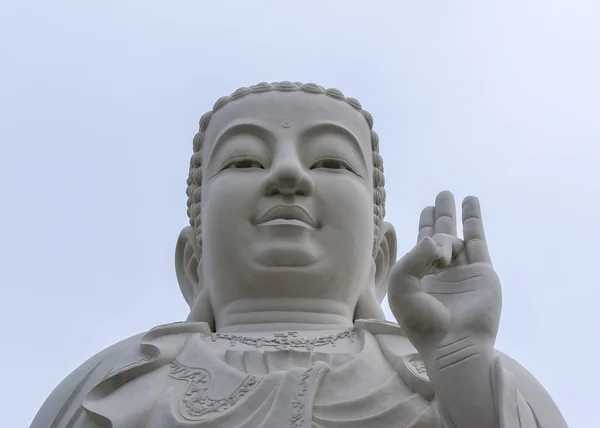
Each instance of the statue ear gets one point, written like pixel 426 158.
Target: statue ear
pixel 369 302
pixel 385 258
pixel 187 264
pixel 188 268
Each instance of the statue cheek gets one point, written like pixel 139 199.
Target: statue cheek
pixel 347 204
pixel 232 194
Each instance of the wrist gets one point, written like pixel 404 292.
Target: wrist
pixel 454 353
pixel 462 383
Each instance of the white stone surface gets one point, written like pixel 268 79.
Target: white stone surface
pixel 284 266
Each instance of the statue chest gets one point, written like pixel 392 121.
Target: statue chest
pixel 206 385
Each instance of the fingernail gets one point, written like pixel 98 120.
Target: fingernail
pixel 439 251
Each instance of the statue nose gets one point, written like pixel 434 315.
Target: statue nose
pixel 289 180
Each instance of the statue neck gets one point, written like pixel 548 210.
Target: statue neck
pixel 283 314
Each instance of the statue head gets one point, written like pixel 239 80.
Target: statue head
pixel 286 203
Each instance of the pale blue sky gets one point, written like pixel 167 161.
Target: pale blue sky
pixel 99 101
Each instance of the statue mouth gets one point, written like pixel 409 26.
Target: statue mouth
pixel 290 215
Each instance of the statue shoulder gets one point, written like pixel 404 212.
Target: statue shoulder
pixel 65 400
pixel 64 404
pixel 538 399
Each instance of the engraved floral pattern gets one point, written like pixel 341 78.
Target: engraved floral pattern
pixel 284 342
pixel 196 401
pixel 416 366
pixel 297 418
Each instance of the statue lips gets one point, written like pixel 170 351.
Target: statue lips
pixel 287 215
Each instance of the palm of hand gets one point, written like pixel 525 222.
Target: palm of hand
pixel 445 290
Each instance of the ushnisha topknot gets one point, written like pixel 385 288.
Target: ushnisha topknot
pixel 194 181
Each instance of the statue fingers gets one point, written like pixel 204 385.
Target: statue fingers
pixel 416 263
pixel 445 213
pixel 426 223
pixel 448 248
pixel 474 236
pixel 420 315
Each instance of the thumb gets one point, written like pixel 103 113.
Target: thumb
pixel 417 262
pixel 420 314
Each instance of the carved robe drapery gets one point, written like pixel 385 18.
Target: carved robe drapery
pixel 172 378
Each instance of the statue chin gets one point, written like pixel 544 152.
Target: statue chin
pixel 286 256
pixel 284 246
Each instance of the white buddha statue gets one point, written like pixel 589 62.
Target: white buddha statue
pixel 284 265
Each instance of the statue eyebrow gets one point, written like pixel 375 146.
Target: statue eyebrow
pixel 241 127
pixel 336 128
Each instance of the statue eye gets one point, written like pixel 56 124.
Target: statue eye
pixel 331 164
pixel 243 164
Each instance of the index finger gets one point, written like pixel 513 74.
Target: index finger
pixel 475 244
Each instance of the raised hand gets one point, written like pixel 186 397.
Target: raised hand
pixel 445 293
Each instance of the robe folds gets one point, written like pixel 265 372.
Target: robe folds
pixel 170 377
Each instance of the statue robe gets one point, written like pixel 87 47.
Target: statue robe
pixel 172 378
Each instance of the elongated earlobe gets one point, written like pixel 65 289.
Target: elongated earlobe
pixel 187 260
pixel 369 303
pixel 385 258
pixel 201 310
pixel 188 266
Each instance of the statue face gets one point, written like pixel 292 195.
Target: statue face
pixel 287 200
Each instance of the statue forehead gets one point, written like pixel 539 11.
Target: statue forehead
pixel 296 110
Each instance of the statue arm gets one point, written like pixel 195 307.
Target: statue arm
pixel 64 403
pixel 516 395
pixel 513 409
pixel 447 297
pixel 518 399
pixel 515 387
